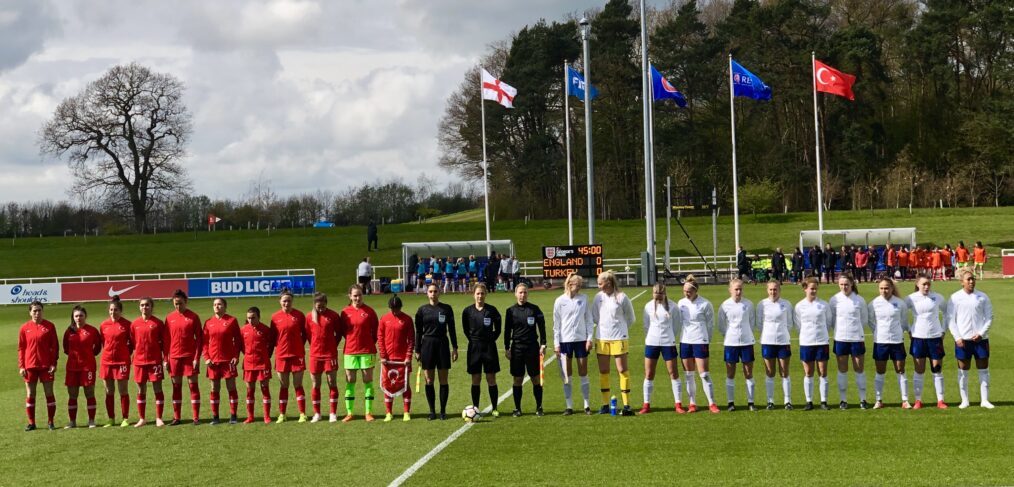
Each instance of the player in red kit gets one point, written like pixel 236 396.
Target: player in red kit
pixel 151 346
pixel 324 329
pixel 185 343
pixel 395 338
pixel 222 345
pixel 258 343
pixel 289 327
pixel 38 350
pixel 81 343
pixel 115 371
pixel 360 323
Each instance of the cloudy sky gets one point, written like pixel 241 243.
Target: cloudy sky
pixel 305 94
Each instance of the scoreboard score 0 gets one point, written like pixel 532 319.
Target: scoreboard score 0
pixel 561 261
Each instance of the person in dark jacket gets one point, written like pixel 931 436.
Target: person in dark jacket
pixel 778 265
pixel 798 262
pixel 413 263
pixel 743 265
pixel 830 264
pixel 371 236
pixel 816 261
pixel 492 270
pixel 871 264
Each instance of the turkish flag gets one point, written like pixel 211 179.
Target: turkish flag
pixel 830 80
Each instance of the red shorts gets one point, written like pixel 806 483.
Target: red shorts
pixel 256 375
pixel 318 366
pixel 221 370
pixel 38 375
pixel 115 372
pixel 291 364
pixel 181 367
pixel 148 373
pixel 79 378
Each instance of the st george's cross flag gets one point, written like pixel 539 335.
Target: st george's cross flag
pixel 830 80
pixel 498 91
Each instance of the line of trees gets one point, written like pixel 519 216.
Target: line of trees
pixel 931 124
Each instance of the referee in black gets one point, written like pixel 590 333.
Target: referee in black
pixel 481 324
pixel 434 323
pixel 525 343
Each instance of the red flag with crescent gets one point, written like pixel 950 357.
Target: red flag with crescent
pixel 830 80
pixel 394 378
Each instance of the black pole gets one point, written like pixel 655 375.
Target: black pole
pixel 714 273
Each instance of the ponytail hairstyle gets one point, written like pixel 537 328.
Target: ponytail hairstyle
pixel 574 277
pixel 284 292
pixel 691 281
pixel 394 303
pixel 181 295
pixel 318 297
pixel 115 301
pixel 610 277
pixel 659 287
pixel 852 280
pixel 75 310
pixel 353 288
pixel 923 275
pixel 890 282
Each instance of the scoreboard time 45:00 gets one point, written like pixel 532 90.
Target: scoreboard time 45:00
pixel 561 261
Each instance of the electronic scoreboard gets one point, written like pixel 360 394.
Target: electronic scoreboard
pixel 561 261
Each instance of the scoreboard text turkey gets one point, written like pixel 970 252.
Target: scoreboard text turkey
pixel 561 261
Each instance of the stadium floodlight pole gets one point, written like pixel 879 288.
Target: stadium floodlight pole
pixel 566 129
pixel 816 133
pixel 735 193
pixel 485 164
pixel 646 125
pixel 586 39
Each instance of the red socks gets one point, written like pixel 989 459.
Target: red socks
pixel 333 400
pixel 177 400
pixel 407 396
pixel 315 396
pixel 266 394
pixel 141 400
pixel 214 403
pixel 110 402
pixel 51 407
pixel 301 400
pixel 283 400
pixel 30 409
pixel 72 410
pixel 233 401
pixel 124 405
pixel 249 402
pixel 159 404
pixel 195 400
pixel 90 401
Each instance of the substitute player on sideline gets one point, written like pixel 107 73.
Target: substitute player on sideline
pixel 481 323
pixel 613 312
pixel 525 346
pixel 185 344
pixel 116 348
pixel 813 316
pixel 572 337
pixel 324 330
pixel 81 343
pixel 736 322
pixel 969 318
pixel 258 344
pixel 889 319
pixel 698 320
pixel 223 343
pixel 434 328
pixel 927 337
pixel 395 342
pixel 848 317
pixel 662 325
pixel 776 317
pixel 288 325
pixel 359 322
pixel 151 349
pixel 38 352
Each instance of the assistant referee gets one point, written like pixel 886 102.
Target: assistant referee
pixel 481 324
pixel 525 343
pixel 434 325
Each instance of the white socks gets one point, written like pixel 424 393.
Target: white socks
pixel 861 385
pixel 730 390
pixel 903 387
pixel 938 384
pixel 984 385
pixel 808 388
pixel 843 385
pixel 677 392
pixel 823 389
pixel 568 395
pixel 649 387
pixel 917 381
pixel 769 386
pixel 585 387
pixel 878 386
pixel 709 387
pixel 750 387
pixel 691 386
pixel 786 390
pixel 963 385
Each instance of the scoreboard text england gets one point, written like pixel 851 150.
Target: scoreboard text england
pixel 561 261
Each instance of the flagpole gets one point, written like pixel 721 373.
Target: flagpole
pixel 566 122
pixel 735 191
pixel 816 133
pixel 585 38
pixel 651 144
pixel 645 107
pixel 485 165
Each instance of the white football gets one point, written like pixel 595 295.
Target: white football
pixel 469 414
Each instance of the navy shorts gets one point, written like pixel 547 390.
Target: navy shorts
pixel 856 349
pixel 697 350
pixel 775 351
pixel 814 353
pixel 892 351
pixel 574 349
pixel 668 352
pixel 972 350
pixel 927 347
pixel 736 354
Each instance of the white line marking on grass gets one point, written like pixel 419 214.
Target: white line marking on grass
pixel 460 431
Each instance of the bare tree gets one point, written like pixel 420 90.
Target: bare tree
pixel 124 135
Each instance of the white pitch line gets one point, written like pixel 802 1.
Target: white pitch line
pixel 460 431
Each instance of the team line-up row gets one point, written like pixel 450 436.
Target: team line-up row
pixel 176 345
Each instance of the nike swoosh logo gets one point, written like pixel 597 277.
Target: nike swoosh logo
pixel 113 292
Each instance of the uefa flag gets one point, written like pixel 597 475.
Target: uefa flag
pixel 661 89
pixel 745 83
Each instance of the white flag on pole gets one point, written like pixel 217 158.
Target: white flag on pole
pixel 498 91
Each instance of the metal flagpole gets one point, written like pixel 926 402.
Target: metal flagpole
pixel 645 107
pixel 651 143
pixel 816 133
pixel 566 122
pixel 585 37
pixel 668 219
pixel 485 165
pixel 735 191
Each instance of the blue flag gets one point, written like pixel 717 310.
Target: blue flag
pixel 575 84
pixel 662 90
pixel 745 83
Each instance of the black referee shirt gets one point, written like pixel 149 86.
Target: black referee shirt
pixel 435 321
pixel 524 327
pixel 481 325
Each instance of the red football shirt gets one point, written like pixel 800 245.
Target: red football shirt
pixel 962 254
pixel 222 339
pixel 150 338
pixel 395 337
pixel 116 344
pixel 81 347
pixel 290 333
pixel 257 344
pixel 185 336
pixel 38 346
pixel 360 329
pixel 324 334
